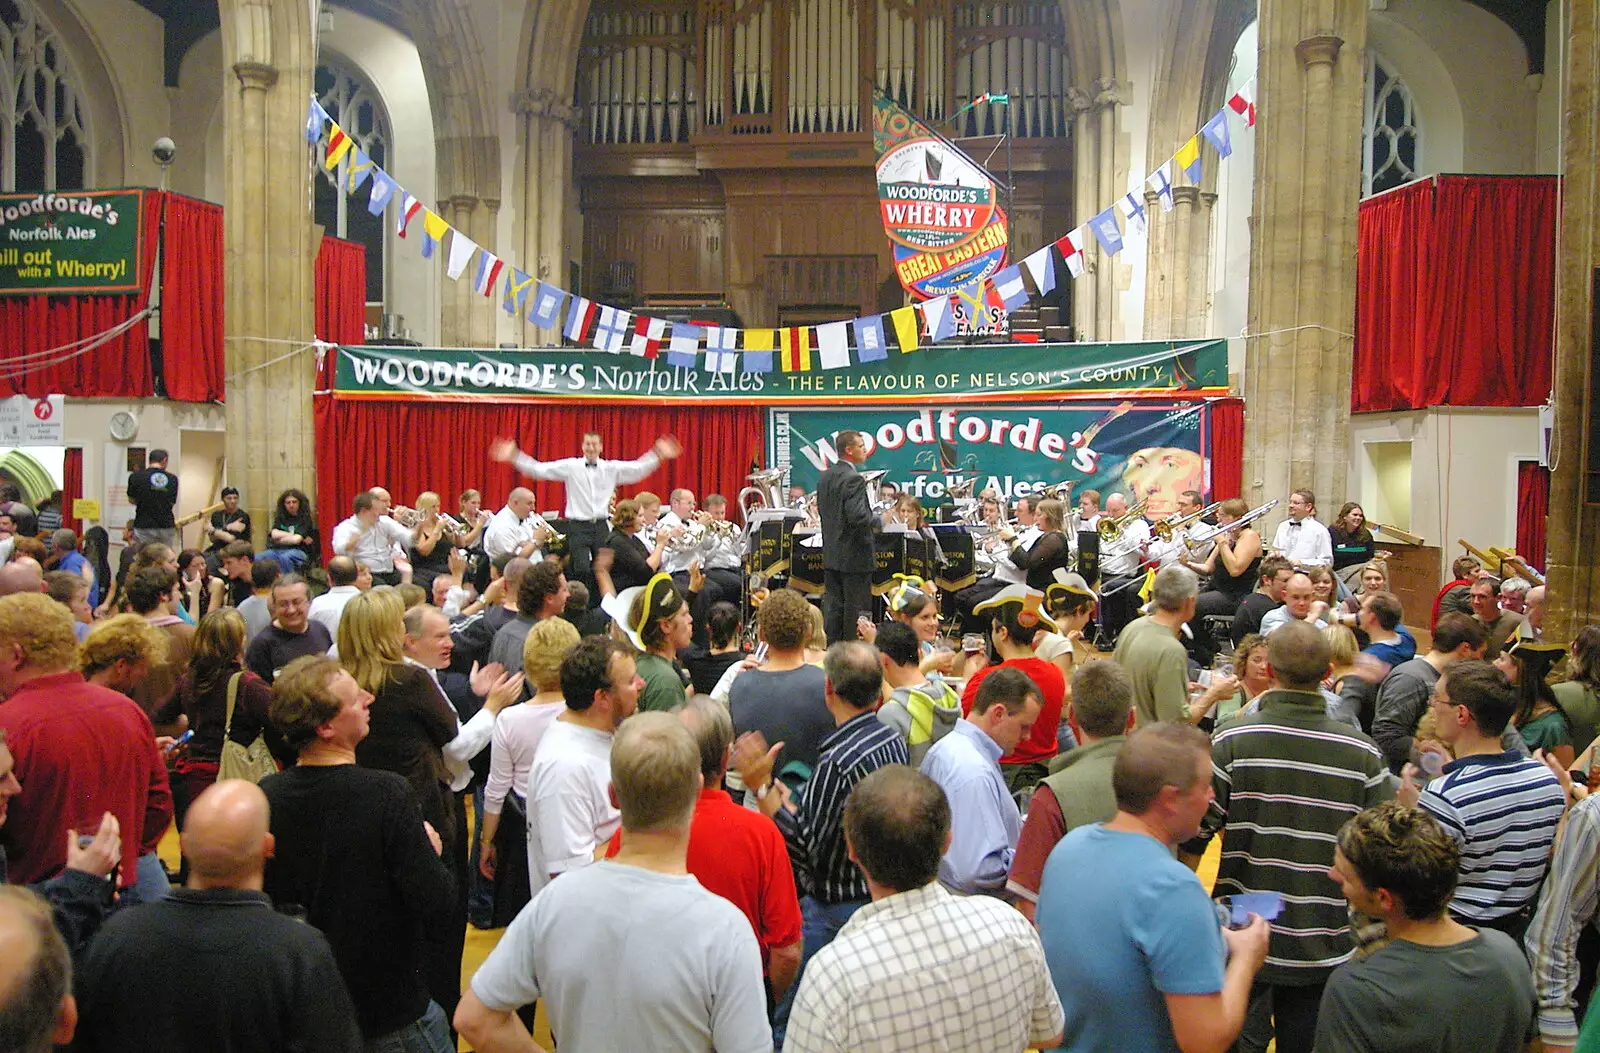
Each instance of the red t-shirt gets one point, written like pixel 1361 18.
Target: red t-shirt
pixel 739 854
pixel 81 750
pixel 1040 745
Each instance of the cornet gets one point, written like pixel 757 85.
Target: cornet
pixel 406 517
pixel 1163 529
pixel 1110 527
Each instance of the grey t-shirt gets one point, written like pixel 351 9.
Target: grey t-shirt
pixel 257 615
pixel 506 648
pixel 786 707
pixel 1473 997
pixel 679 964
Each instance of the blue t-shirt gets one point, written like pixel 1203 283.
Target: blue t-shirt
pixel 1124 924
pixel 74 561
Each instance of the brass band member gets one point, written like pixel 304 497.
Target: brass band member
pixel 1233 564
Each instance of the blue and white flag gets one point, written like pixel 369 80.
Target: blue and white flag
pixel 936 317
pixel 316 119
pixel 1008 283
pixel 614 327
pixel 1042 269
pixel 684 347
pixel 383 188
pixel 1161 182
pixel 1216 132
pixel 722 350
pixel 547 303
pixel 1133 211
pixel 1106 231
pixel 870 346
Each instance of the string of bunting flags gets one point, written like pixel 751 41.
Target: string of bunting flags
pixel 796 349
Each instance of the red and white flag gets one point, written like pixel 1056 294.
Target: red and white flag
pixel 647 334
pixel 489 267
pixel 410 208
pixel 1071 249
pixel 1243 102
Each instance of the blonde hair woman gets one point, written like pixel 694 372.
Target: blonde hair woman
pixel 430 544
pixel 502 847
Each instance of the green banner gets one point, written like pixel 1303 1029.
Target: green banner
pixel 992 372
pixel 1152 451
pixel 84 241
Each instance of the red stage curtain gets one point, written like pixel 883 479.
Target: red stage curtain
pixel 192 360
pixel 1533 505
pixel 1227 449
pixel 409 447
pixel 119 368
pixel 1455 294
pixel 71 487
pixel 341 279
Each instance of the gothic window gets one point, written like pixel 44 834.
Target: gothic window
pixel 44 138
pixel 1390 135
pixel 353 103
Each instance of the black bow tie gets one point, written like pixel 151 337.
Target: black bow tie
pixel 591 464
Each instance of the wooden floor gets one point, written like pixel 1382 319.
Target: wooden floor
pixel 480 942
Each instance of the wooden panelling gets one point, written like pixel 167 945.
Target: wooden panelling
pixel 669 230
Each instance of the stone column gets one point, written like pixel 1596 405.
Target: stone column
pixel 547 127
pixel 1161 268
pixel 1105 101
pixel 1197 316
pixel 455 324
pixel 269 249
pixel 1302 254
pixel 1085 169
pixel 1573 527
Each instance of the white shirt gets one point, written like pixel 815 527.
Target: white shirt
pixel 677 560
pixel 569 804
pixel 590 484
pixel 723 553
pixel 1120 555
pixel 506 533
pixel 1007 571
pixel 375 550
pixel 516 740
pixel 870 987
pixel 1305 544
pixel 329 607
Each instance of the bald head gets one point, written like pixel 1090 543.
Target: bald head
pixel 22 574
pixel 37 1012
pixel 225 836
pixel 520 501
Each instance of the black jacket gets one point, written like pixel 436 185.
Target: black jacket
pixel 847 520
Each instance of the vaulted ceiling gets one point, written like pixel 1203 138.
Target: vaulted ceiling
pixel 187 21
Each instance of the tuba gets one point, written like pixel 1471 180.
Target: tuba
pixel 1110 528
pixel 765 491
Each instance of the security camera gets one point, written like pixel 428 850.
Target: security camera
pixel 164 150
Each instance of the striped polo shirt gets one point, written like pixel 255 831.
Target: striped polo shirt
pixel 1502 809
pixel 1286 778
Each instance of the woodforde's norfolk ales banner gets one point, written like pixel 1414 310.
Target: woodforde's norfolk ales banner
pixel 1147 451
pixel 84 241
pixel 987 373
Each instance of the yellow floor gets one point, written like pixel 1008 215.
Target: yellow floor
pixel 481 942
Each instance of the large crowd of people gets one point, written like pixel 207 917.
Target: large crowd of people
pixel 965 822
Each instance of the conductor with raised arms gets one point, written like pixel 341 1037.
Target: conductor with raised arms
pixel 590 483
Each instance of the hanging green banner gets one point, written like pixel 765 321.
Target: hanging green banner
pixel 989 373
pixel 83 241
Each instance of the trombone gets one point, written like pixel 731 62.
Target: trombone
pixel 1202 536
pixel 1163 529
pixel 1110 528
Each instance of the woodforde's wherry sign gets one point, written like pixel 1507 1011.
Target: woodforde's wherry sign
pixel 84 241
pixel 986 373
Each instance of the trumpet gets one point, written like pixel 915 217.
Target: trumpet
pixel 1201 537
pixel 1163 529
pixel 1110 527
pixel 406 517
pixel 451 523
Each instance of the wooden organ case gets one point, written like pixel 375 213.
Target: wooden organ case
pixel 725 146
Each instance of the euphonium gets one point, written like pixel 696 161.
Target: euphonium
pixel 1165 528
pixel 1110 528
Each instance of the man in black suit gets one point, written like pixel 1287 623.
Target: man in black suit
pixel 848 557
